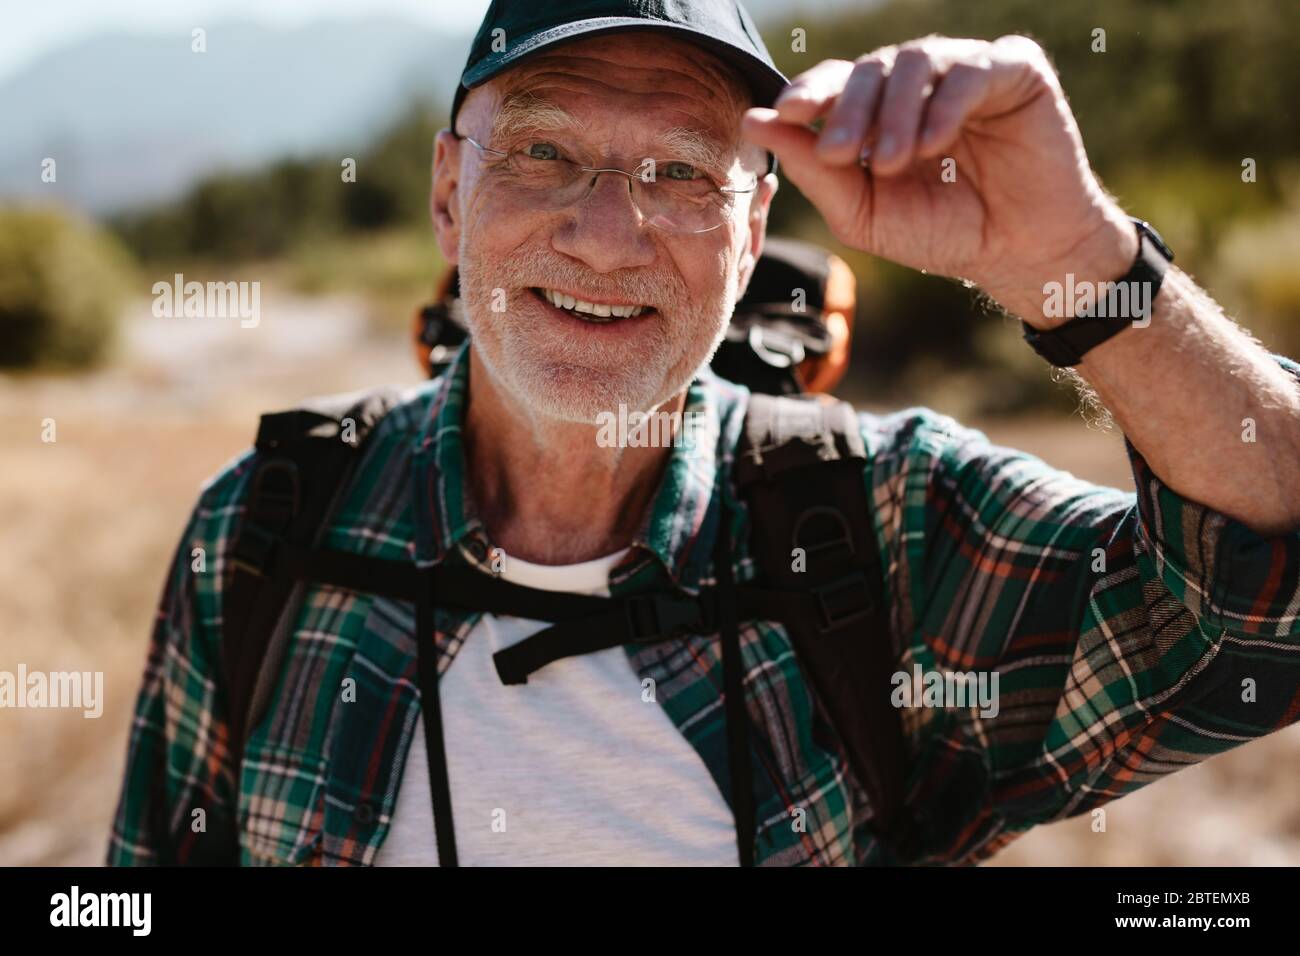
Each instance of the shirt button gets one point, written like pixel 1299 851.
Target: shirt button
pixel 365 813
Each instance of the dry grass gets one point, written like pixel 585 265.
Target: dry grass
pixel 89 522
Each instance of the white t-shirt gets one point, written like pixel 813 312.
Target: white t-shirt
pixel 572 768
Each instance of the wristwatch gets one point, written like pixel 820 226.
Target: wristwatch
pixel 1066 344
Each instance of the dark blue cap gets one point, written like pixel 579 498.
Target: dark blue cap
pixel 723 27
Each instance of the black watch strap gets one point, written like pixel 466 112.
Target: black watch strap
pixel 1067 344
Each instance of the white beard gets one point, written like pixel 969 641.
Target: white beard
pixel 575 379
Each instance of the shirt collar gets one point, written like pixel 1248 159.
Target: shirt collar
pixel 445 515
pixel 681 524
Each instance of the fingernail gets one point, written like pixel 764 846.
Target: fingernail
pixel 885 146
pixel 835 136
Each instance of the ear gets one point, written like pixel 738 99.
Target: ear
pixel 443 208
pixel 758 210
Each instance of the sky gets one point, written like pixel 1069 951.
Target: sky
pixel 31 28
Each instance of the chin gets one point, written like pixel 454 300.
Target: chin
pixel 583 395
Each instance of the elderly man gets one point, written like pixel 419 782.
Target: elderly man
pixel 603 190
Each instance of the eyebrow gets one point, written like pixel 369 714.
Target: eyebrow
pixel 523 112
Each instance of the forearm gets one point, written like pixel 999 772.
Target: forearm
pixel 1211 411
pixel 1213 414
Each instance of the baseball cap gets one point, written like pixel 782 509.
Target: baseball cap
pixel 515 29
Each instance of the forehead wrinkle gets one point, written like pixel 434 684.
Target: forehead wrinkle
pixel 525 112
pixel 667 55
pixel 719 91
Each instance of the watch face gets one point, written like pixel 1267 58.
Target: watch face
pixel 1155 237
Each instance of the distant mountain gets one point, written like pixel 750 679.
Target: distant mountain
pixel 130 119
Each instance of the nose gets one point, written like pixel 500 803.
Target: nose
pixel 604 228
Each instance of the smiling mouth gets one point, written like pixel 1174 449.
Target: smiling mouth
pixel 597 313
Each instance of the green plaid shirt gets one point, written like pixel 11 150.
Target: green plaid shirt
pixel 1114 670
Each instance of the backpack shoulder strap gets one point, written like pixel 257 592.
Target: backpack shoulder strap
pixel 306 457
pixel 799 467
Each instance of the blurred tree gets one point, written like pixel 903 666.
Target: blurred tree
pixel 1183 92
pixel 63 282
pixel 267 212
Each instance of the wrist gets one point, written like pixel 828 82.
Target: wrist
pixel 1105 252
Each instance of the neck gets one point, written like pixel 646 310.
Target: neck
pixel 546 491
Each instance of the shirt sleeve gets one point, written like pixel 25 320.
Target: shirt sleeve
pixel 178 791
pixel 1125 636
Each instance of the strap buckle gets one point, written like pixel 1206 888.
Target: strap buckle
pixel 272 506
pixel 775 348
pixel 656 616
pixel 256 550
pixel 843 601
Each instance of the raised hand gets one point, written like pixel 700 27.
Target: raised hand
pixel 959 157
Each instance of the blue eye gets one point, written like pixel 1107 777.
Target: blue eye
pixel 683 172
pixel 541 151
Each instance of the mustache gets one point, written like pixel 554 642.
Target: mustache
pixel 655 289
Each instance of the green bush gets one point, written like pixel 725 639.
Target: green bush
pixel 63 283
pixel 1257 278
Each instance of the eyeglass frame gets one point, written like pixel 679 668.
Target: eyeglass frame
pixel 733 190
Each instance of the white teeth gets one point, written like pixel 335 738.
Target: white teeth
pixel 562 301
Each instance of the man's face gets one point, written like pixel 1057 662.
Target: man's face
pixel 602 102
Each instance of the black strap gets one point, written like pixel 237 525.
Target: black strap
pixel 586 624
pixel 589 624
pixel 800 466
pixel 733 674
pixel 458 586
pixel 305 457
pixel 631 620
pixel 434 744
pixel 1065 345
pixel 788 484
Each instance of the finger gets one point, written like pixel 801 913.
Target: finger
pixel 854 111
pixel 795 146
pixel 811 93
pixel 899 119
pixel 959 92
pixel 1018 71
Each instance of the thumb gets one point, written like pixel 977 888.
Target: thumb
pixel 832 189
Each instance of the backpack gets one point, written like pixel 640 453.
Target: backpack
pixel 799 470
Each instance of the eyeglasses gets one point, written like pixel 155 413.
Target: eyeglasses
pixel 672 196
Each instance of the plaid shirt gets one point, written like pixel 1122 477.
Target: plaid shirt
pixel 1121 627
